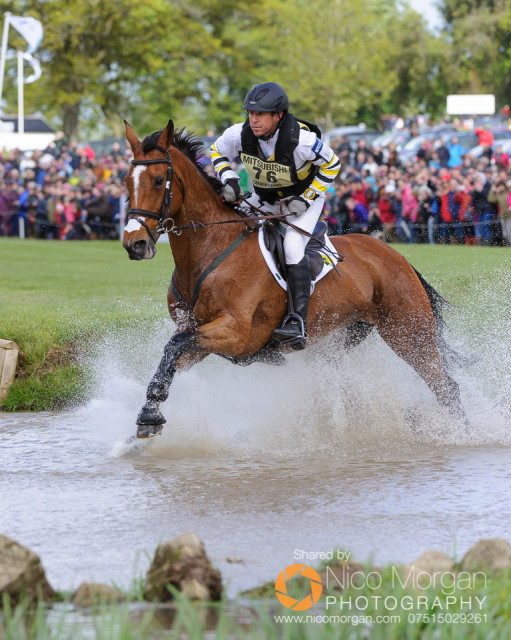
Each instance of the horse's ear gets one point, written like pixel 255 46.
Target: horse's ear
pixel 131 136
pixel 167 136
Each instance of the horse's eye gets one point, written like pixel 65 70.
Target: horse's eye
pixel 158 182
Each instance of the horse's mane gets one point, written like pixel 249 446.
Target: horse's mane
pixel 190 145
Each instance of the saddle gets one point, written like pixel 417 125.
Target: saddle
pixel 274 241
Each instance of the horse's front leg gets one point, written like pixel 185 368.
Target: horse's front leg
pixel 225 335
pixel 150 420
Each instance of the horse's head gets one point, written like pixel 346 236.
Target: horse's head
pixel 152 193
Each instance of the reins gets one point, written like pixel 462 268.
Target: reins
pixel 163 218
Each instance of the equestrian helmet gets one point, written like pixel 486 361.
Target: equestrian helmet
pixel 268 96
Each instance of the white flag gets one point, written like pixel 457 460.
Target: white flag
pixel 36 66
pixel 30 28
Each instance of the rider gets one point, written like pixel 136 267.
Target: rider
pixel 286 161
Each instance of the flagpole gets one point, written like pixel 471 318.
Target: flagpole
pixel 3 55
pixel 21 109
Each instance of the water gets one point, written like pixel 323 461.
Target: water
pixel 265 464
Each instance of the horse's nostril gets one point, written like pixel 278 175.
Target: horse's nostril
pixel 140 246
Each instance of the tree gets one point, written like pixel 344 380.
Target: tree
pixel 478 33
pixel 102 52
pixel 332 57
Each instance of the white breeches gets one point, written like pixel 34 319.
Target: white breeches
pixel 294 242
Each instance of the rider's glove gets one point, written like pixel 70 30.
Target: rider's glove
pixel 297 205
pixel 231 191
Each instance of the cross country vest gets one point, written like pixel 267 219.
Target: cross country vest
pixel 277 178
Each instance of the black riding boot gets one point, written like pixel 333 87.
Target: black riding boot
pixel 292 331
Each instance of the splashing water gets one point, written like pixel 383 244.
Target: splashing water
pixel 322 400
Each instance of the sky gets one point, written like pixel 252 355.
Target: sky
pixel 427 8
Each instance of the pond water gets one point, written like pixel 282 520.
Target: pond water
pixel 266 464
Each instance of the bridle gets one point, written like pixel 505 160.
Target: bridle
pixel 161 217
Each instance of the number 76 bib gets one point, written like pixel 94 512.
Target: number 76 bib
pixel 267 175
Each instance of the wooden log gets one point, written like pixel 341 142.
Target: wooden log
pixel 8 363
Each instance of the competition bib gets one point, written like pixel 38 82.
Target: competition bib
pixel 267 175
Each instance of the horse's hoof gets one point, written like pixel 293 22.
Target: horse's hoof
pixel 148 430
pixel 150 416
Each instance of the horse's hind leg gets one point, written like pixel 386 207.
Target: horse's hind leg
pixel 416 344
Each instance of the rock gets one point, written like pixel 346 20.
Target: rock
pixel 21 572
pixel 183 564
pixel 88 594
pixel 488 555
pixel 428 570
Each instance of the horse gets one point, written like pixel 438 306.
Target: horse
pixel 223 298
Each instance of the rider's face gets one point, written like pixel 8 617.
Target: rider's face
pixel 263 123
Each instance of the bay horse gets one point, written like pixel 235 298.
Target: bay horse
pixel 223 298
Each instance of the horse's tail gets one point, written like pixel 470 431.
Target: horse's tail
pixel 438 304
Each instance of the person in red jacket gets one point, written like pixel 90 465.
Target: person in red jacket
pixel 450 204
pixel 386 207
pixel 485 140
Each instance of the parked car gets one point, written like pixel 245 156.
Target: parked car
pixel 411 148
pixel 467 139
pixel 400 137
pixel 354 134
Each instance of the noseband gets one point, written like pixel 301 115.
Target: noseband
pixel 167 197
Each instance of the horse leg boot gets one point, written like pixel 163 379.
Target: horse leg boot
pixel 292 331
pixel 150 420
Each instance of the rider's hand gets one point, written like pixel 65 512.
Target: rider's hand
pixel 231 191
pixel 297 205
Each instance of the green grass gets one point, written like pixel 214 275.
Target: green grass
pixel 56 298
pixel 263 617
pixel 459 271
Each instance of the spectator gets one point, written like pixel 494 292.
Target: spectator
pixel 387 209
pixel 482 210
pixel 8 209
pixel 501 159
pixel 359 216
pixel 500 195
pixel 443 155
pixel 99 212
pixel 485 140
pixel 456 153
pixel 375 225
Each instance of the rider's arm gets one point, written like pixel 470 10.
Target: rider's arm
pixel 312 149
pixel 225 148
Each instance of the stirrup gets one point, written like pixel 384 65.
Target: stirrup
pixel 298 341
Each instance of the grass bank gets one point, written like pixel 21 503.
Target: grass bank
pixel 57 297
pixel 376 607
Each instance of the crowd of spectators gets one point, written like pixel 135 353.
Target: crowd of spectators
pixel 62 192
pixel 442 196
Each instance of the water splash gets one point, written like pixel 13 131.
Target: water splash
pixel 322 401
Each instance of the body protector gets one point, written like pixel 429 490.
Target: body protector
pixel 276 178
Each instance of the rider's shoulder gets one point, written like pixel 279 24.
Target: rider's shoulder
pixel 232 133
pixel 307 138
